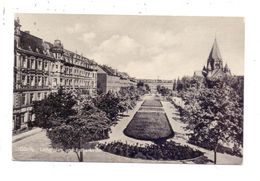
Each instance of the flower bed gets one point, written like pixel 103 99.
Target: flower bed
pixel 167 151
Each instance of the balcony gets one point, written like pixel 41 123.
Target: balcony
pixel 28 87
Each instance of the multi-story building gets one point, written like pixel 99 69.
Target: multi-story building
pixel 153 83
pixel 41 67
pixel 109 79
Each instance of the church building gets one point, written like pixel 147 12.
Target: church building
pixel 214 68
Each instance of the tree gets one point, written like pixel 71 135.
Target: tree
pixel 140 84
pixel 215 117
pixel 174 85
pixel 179 85
pixel 147 88
pixel 109 103
pixel 74 133
pixel 56 105
pixel 164 91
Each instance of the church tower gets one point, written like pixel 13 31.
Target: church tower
pixel 215 66
pixel 214 60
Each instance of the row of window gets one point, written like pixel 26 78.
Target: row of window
pixel 27 80
pixel 38 64
pixel 72 82
pixel 26 99
pixel 78 60
pixel 34 80
pixel 22 118
pixel 31 62
pixel 78 71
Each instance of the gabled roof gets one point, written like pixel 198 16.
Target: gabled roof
pixel 100 70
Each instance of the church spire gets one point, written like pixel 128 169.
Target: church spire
pixel 214 59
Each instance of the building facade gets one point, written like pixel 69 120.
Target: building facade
pixel 153 83
pixel 110 80
pixel 40 68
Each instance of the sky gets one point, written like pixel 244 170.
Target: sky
pixel 147 47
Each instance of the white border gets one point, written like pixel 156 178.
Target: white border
pixel 75 171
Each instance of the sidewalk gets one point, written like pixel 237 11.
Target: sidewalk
pixel 26 134
pixel 181 137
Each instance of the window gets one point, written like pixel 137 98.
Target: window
pixel 28 62
pixel 32 80
pixel 32 63
pixel 31 98
pixel 36 80
pixel 17 121
pixel 54 82
pixel 16 59
pixel 24 63
pixel 30 116
pixel 39 81
pixel 39 64
pixel 46 81
pixel 39 96
pixel 22 118
pixel 45 95
pixel 45 65
pixel 24 79
pixel 23 99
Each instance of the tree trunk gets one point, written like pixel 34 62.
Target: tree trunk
pixel 81 156
pixel 215 154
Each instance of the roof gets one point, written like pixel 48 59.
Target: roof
pixel 217 73
pixel 214 54
pixel 108 70
pixel 100 70
pixel 31 43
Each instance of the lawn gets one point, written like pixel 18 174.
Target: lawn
pixel 152 109
pixel 149 126
pixel 152 103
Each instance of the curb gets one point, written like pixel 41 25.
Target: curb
pixel 26 135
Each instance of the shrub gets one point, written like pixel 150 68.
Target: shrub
pixel 167 151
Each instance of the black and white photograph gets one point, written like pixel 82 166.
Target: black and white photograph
pixel 118 88
pixel 128 88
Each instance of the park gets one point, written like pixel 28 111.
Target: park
pixel 145 127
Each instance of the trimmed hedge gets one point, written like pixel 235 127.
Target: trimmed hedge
pixel 167 151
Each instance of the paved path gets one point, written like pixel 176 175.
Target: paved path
pixel 117 131
pixel 26 134
pixel 181 137
pixel 36 147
